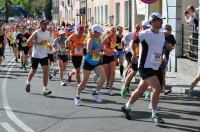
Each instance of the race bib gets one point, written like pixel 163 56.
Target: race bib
pixel 113 45
pixel 119 46
pixel 24 44
pixel 78 51
pixel 96 57
pixel 49 47
pixel 156 58
pixel 44 43
pixel 1 45
pixel 62 48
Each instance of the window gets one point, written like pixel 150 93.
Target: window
pixel 126 14
pixel 117 14
pixel 106 14
pixel 102 15
pixel 98 15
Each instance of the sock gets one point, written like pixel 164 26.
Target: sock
pixel 154 111
pixel 44 88
pixel 121 69
pixel 128 105
pixel 191 87
pixel 28 82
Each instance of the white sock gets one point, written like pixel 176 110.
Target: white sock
pixel 28 82
pixel 128 105
pixel 44 88
pixel 154 111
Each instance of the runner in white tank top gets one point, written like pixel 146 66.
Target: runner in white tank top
pixel 40 40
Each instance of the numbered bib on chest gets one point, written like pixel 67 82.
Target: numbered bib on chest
pixel 78 51
pixel 113 45
pixel 62 48
pixel 96 57
pixel 24 44
pixel 44 43
pixel 119 46
pixel 156 58
pixel 1 45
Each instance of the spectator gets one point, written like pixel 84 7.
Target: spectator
pixel 191 17
pixel 63 24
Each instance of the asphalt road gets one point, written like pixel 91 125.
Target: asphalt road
pixel 33 112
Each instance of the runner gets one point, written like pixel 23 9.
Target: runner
pixel 150 52
pixel 60 47
pixel 133 66
pixel 108 61
pixel 12 42
pixel 50 50
pixel 39 55
pixel 22 46
pixel 75 44
pixel 2 44
pixel 92 62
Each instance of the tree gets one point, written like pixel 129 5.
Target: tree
pixel 47 9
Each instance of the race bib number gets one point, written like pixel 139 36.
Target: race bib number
pixel 156 58
pixel 1 45
pixel 119 46
pixel 78 51
pixel 24 44
pixel 44 43
pixel 62 48
pixel 96 57
pixel 113 45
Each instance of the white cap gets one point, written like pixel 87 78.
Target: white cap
pixel 145 23
pixel 155 16
pixel 96 28
pixel 61 32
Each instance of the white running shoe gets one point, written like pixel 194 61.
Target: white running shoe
pixel 62 83
pixel 97 97
pixel 110 92
pixel 77 101
pixel 46 91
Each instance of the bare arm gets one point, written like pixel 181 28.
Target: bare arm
pixel 31 39
pixel 89 48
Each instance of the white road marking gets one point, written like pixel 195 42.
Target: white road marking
pixel 6 106
pixel 8 127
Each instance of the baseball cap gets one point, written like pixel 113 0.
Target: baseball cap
pixel 43 21
pixel 145 23
pixel 96 28
pixel 61 32
pixel 79 27
pixel 155 16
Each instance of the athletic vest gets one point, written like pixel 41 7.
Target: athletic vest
pixel 150 49
pixel 77 45
pixel 61 47
pixel 93 59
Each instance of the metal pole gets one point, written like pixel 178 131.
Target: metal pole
pixel 6 13
pixel 130 16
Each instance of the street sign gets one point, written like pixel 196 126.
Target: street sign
pixel 82 11
pixel 140 7
pixel 148 1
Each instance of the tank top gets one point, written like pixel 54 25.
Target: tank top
pixel 93 59
pixel 60 46
pixel 118 43
pixel 2 41
pixel 77 45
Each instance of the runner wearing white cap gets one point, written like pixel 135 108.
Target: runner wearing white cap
pixel 92 62
pixel 60 47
